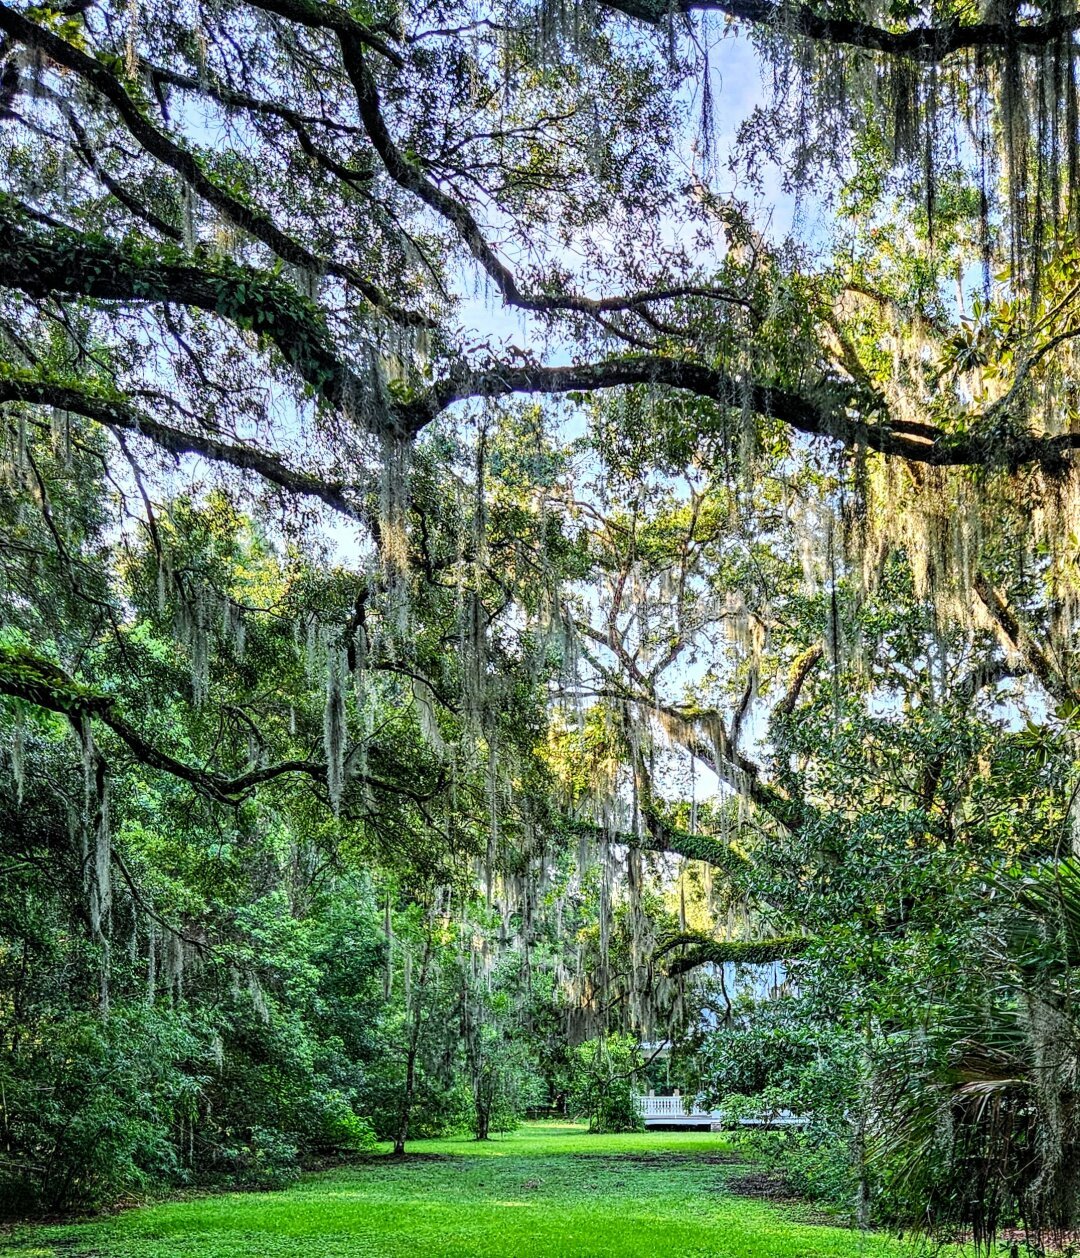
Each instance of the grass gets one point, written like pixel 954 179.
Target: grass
pixel 548 1191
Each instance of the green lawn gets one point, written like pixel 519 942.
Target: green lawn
pixel 548 1191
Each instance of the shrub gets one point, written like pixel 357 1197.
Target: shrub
pixel 262 1159
pixel 343 1132
pixel 91 1113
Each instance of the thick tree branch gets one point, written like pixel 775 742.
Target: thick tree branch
pixel 1020 639
pixel 120 415
pixel 802 668
pixel 41 263
pixel 37 681
pixel 700 950
pixel 321 15
pixel 159 145
pixel 703 735
pixel 931 44
pixel 836 409
pixel 659 836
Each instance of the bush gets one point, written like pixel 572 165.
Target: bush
pixel 505 1083
pixel 776 1063
pixel 263 1159
pixel 91 1113
pixel 440 1106
pixel 343 1133
pixel 815 1162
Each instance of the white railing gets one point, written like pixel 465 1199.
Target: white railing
pixel 671 1107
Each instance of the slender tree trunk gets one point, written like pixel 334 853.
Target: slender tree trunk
pixel 481 1086
pixel 413 1051
pixel 483 1119
pixel 862 1195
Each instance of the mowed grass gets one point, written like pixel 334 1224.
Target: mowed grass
pixel 547 1191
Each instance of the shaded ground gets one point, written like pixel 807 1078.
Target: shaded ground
pixel 548 1191
pixel 759 1184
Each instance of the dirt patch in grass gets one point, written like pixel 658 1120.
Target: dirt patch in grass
pixel 762 1186
pixel 403 1159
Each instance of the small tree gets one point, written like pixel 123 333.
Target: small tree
pixel 504 1083
pixel 603 1083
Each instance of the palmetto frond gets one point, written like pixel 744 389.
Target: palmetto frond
pixel 979 1120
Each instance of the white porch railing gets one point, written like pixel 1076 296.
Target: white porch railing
pixel 686 1109
pixel 681 1107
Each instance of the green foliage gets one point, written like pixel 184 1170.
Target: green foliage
pixel 604 1083
pixel 783 1061
pixel 506 1082
pixel 91 1109
pixel 361 755
pixel 344 1132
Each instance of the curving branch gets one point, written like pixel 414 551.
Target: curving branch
pixel 120 415
pixel 717 753
pixel 92 161
pixel 62 261
pixel 42 261
pixel 26 676
pixel 300 124
pixel 37 681
pixel 331 17
pixel 838 409
pixel 161 146
pixel 409 174
pixel 701 733
pixel 696 950
pixel 659 836
pixel 928 44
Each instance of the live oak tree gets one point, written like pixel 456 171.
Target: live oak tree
pixel 301 306
pixel 359 169
pixel 882 793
